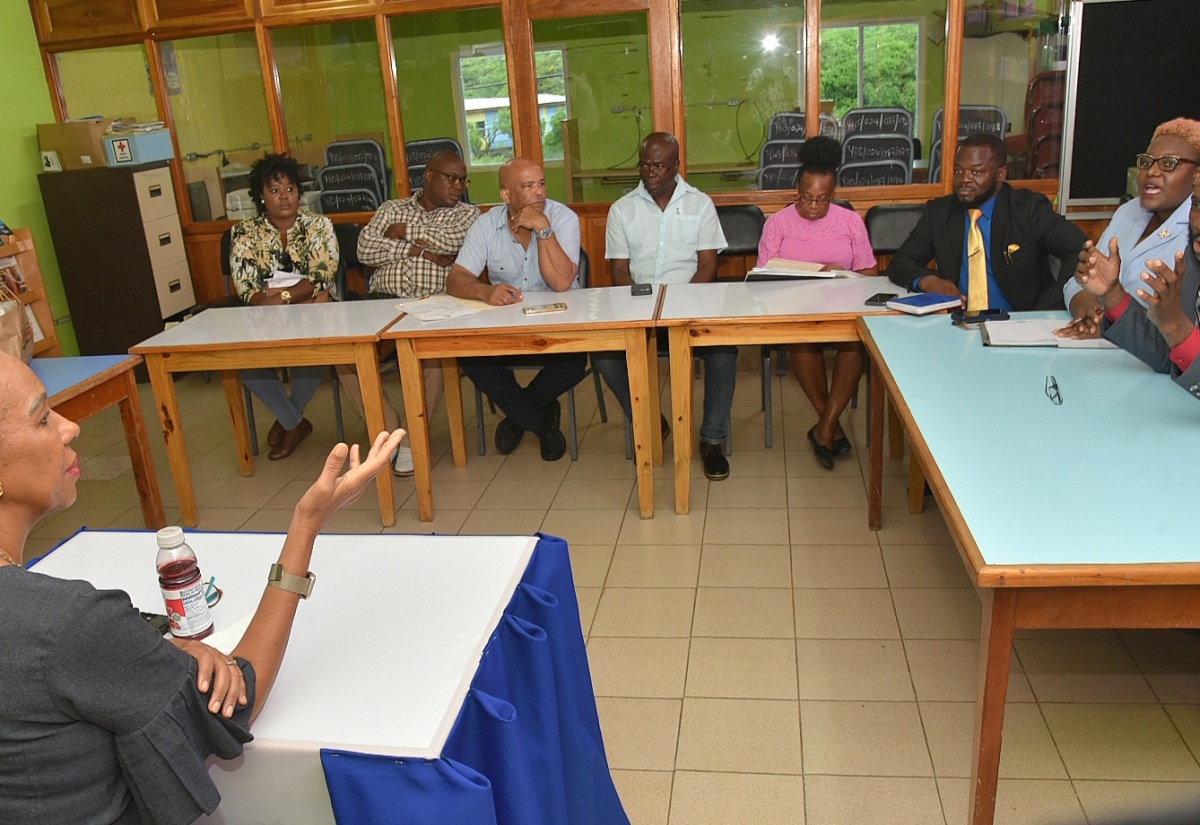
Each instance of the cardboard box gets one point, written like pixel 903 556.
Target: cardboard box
pixel 77 144
pixel 138 147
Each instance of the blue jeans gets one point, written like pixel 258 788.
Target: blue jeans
pixel 720 374
pixel 287 409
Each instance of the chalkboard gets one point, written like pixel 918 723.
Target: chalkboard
pixel 776 152
pixel 352 152
pixel 892 120
pixel 418 152
pixel 786 126
pixel 862 148
pixel 778 177
pixel 349 200
pixel 354 176
pixel 1138 67
pixel 878 173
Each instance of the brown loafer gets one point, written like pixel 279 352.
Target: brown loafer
pixel 291 440
pixel 275 434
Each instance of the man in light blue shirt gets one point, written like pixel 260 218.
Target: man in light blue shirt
pixel 666 232
pixel 531 244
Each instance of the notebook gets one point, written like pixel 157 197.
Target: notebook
pixel 1036 333
pixel 924 303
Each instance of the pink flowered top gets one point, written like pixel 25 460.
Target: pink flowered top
pixel 839 238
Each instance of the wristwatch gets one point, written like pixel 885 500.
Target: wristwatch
pixel 544 233
pixel 279 578
pixel 285 296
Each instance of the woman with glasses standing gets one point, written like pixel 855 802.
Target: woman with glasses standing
pixel 817 230
pixel 1154 226
pixel 282 256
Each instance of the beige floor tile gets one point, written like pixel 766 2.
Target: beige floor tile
pixel 864 739
pixel 1028 751
pixel 590 563
pixel 947 670
pixel 589 599
pixel 68 522
pixel 262 521
pixel 611 465
pixel 868 670
pixel 1120 742
pixel 858 800
pixel 667 527
pixel 1139 803
pixel 924 565
pixel 748 492
pixel 244 492
pixel 742 668
pixel 445 522
pixel 903 527
pixel 801 463
pixel 745 526
pixel 664 496
pixel 529 468
pixel 645 795
pixel 843 565
pixel 739 736
pixel 528 494
pixel 835 613
pixel 751 565
pixel 1170 661
pixel 594 494
pixel 723 798
pixel 830 526
pixel 838 491
pixel 1082 670
pixel 743 612
pixel 938 613
pixel 232 518
pixel 1018 802
pixel 1187 721
pixel 745 463
pixel 636 565
pixel 586 526
pixel 479 467
pixel 505 523
pixel 639 734
pixel 644 611
pixel 652 668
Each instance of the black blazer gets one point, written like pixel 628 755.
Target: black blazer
pixel 1022 218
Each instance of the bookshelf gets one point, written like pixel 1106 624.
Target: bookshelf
pixel 20 246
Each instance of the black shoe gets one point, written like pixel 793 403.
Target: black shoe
pixel 508 436
pixel 716 466
pixel 841 446
pixel 550 437
pixel 823 453
pixel 664 427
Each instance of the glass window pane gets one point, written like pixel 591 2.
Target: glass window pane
pixel 113 82
pixel 215 88
pixel 594 103
pixel 332 89
pixel 742 64
pixel 883 71
pixel 453 83
pixel 1014 77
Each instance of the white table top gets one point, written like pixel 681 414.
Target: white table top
pixel 739 300
pixel 273 325
pixel 383 653
pixel 1105 478
pixel 597 307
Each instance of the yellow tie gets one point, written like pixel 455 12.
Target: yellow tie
pixel 977 286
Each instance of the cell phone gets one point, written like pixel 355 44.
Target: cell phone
pixel 159 622
pixel 641 289
pixel 964 317
pixel 541 309
pixel 880 299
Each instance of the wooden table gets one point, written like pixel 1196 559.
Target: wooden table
pixel 1048 544
pixel 78 388
pixel 765 312
pixel 228 340
pixel 596 320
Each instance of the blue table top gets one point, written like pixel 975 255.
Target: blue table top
pixel 1107 477
pixel 59 374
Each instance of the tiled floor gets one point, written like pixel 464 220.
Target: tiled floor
pixel 766 658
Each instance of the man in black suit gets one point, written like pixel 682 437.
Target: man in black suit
pixel 1020 232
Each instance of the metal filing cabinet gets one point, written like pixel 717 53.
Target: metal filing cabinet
pixel 120 251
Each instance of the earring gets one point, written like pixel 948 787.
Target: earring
pixel 1 489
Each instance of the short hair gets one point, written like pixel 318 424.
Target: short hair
pixel 820 156
pixel 1182 128
pixel 269 168
pixel 986 140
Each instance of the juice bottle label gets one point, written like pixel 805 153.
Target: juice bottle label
pixel 187 611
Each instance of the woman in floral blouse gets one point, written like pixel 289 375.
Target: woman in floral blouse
pixel 282 241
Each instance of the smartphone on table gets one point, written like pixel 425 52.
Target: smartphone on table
pixel 880 299
pixel 541 309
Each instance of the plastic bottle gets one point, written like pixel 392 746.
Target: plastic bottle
pixel 182 586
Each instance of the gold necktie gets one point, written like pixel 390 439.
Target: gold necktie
pixel 977 286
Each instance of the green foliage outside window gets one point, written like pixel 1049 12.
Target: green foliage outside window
pixel 890 55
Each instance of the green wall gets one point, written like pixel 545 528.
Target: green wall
pixel 27 103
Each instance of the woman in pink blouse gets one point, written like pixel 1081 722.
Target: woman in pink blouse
pixel 819 231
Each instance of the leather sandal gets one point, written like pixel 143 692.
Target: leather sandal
pixel 291 440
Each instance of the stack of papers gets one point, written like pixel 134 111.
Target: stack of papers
pixel 1036 333
pixel 443 308
pixel 782 269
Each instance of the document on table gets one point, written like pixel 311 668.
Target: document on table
pixel 1036 333
pixel 783 269
pixel 443 307
pixel 283 280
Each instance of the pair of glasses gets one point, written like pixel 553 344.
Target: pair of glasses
pixel 1167 163
pixel 212 593
pixel 461 180
pixel 285 262
pixel 822 200
pixel 1052 391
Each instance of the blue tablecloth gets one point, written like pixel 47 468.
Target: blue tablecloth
pixel 526 748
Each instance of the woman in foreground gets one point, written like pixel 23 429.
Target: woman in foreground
pixel 101 719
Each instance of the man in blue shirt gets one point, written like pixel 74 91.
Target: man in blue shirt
pixel 1021 233
pixel 531 244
